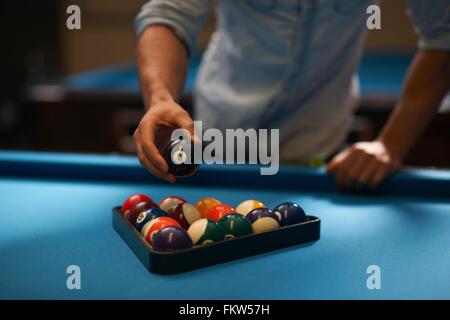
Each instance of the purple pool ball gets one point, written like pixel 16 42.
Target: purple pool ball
pixel 172 238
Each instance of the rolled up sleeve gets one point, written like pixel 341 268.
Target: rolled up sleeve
pixel 432 23
pixel 185 18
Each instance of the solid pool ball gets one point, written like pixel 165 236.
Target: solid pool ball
pixel 289 213
pixel 146 216
pixel 263 219
pixel 248 205
pixel 235 225
pixel 205 204
pixel 152 227
pixel 185 213
pixel 205 231
pixel 172 238
pixel 180 163
pixel 217 212
pixel 169 202
pixel 131 201
pixel 136 210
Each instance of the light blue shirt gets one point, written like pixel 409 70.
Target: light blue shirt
pixel 287 64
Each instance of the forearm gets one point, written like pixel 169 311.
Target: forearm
pixel 427 82
pixel 162 65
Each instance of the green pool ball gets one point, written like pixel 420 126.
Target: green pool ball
pixel 235 225
pixel 205 231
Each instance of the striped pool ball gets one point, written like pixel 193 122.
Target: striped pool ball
pixel 185 213
pixel 169 202
pixel 152 227
pixel 146 216
pixel 263 219
pixel 137 209
pixel 205 231
pixel 248 205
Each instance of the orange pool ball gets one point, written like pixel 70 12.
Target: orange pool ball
pixel 248 205
pixel 219 211
pixel 205 204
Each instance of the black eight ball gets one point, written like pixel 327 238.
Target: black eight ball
pixel 177 158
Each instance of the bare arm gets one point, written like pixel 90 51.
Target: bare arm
pixel 162 65
pixel 368 163
pixel 426 85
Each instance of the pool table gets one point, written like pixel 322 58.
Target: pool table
pixel 56 212
pixel 381 75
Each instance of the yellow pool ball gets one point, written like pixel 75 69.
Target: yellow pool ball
pixel 248 205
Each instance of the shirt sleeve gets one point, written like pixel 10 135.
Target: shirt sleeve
pixel 184 17
pixel 432 23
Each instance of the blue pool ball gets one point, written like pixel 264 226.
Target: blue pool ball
pixel 289 213
pixel 148 215
pixel 263 219
pixel 172 238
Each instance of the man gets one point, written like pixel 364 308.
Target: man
pixel 287 64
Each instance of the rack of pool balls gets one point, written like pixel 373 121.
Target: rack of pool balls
pixel 174 224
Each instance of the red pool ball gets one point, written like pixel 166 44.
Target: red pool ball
pixel 169 202
pixel 136 210
pixel 133 200
pixel 185 213
pixel 217 212
pixel 152 227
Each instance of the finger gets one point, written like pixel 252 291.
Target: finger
pixel 333 165
pixel 148 165
pixel 378 177
pixel 343 177
pixel 357 165
pixel 164 176
pixel 151 152
pixel 364 177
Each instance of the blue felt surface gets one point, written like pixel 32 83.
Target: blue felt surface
pixel 120 78
pixel 379 74
pixel 47 224
pixel 383 73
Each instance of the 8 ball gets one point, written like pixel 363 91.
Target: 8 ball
pixel 180 161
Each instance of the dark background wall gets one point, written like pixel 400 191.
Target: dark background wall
pixel 37 111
